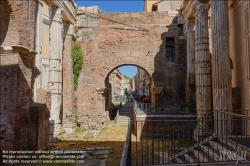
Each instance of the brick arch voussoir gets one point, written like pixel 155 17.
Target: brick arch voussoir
pixel 104 67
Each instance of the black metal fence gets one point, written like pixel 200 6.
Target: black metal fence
pixel 226 137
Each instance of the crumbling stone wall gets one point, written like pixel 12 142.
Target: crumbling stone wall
pixel 116 39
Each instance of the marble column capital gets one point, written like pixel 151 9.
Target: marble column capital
pixel 56 14
pixel 189 26
pixel 201 9
pixel 69 30
pixel 40 2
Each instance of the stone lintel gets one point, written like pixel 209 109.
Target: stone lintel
pixel 29 53
pixel 157 90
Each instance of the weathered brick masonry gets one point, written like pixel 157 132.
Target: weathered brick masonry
pixel 16 71
pixel 112 40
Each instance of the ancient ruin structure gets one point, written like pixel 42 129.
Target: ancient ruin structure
pixel 225 80
pixel 152 41
pixel 203 69
pixel 36 41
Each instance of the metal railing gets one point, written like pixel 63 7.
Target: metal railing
pixel 126 154
pixel 225 138
pixel 140 107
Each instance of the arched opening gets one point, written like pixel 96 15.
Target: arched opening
pixel 124 81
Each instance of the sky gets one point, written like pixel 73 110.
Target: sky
pixel 113 6
pixel 129 70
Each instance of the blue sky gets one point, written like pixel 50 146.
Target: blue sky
pixel 114 5
pixel 117 6
pixel 129 70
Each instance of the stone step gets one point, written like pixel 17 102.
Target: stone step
pixel 124 114
pixel 232 144
pixel 189 158
pixel 124 118
pixel 127 112
pixel 218 146
pixel 122 121
pixel 179 160
pixel 198 154
pixel 211 152
pixel 222 149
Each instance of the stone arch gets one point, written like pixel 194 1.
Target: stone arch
pixel 108 99
pixel 92 89
pixel 106 64
pixel 126 65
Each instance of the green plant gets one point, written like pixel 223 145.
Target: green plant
pixel 116 104
pixel 75 12
pixel 61 138
pixel 77 63
pixel 100 11
pixel 79 130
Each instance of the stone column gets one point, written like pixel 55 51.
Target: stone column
pixel 248 38
pixel 221 71
pixel 68 89
pixel 39 41
pixel 55 71
pixel 190 83
pixel 102 94
pixel 202 71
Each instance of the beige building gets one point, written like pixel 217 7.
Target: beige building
pixel 142 81
pixel 116 81
pixel 125 85
pixel 134 84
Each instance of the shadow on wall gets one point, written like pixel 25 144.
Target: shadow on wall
pixel 24 124
pixel 170 69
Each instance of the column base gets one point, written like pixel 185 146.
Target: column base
pixel 56 131
pixel 200 134
pixel 69 127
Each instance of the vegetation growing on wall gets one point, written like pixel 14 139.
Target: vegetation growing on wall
pixel 130 79
pixel 100 11
pixel 77 63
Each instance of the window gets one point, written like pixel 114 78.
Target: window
pixel 169 49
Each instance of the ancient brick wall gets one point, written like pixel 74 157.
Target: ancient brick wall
pixel 16 72
pixel 16 79
pixel 116 39
pixel 18 22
